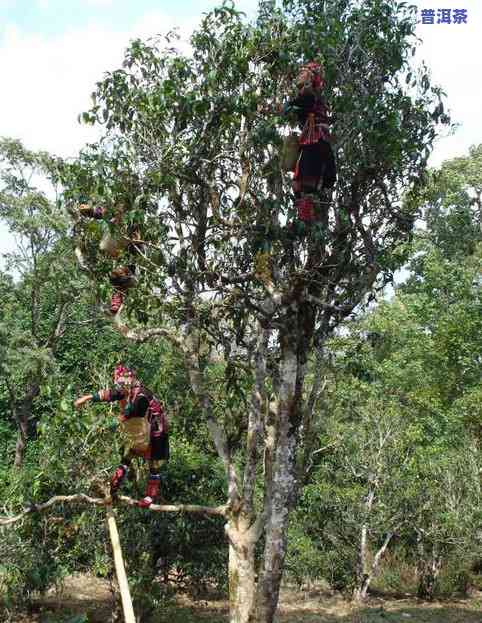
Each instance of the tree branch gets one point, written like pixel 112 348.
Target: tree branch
pixel 82 498
pixel 198 385
pixel 336 308
pixel 58 326
pixel 143 335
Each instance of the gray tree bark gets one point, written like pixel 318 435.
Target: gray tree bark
pixel 242 575
pixel 21 411
pixel 428 569
pixel 370 571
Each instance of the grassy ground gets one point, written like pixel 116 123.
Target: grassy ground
pixel 87 600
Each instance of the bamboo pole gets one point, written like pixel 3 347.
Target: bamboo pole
pixel 129 616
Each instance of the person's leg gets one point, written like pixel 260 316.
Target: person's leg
pixel 120 473
pixel 121 279
pixel 159 456
pixel 153 484
pixel 306 181
pixel 317 178
pixel 329 165
pixel 116 301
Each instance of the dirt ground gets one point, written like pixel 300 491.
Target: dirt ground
pixel 88 600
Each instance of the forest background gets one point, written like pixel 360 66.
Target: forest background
pixel 391 464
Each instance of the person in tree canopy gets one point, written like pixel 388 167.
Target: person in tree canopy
pixel 121 278
pixel 316 162
pixel 144 423
pixel 126 240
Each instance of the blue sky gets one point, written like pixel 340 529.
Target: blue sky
pixel 53 51
pixel 53 17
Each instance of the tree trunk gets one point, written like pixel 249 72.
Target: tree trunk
pixel 275 548
pixel 279 491
pixel 428 569
pixel 362 564
pixel 362 574
pixel 22 434
pixel 22 411
pixel 242 572
pixel 361 590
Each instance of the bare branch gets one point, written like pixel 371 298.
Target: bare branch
pixel 58 326
pixel 344 309
pixel 198 385
pixel 143 335
pixel 221 510
pixel 82 498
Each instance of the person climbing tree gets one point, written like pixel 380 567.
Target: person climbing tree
pixel 314 167
pixel 122 278
pixel 144 422
pixel 121 238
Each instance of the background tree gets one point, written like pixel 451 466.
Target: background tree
pixel 447 514
pixel 408 373
pixel 73 453
pixel 444 294
pixel 36 306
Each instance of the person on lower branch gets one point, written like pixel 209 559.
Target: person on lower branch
pixel 143 420
pixel 315 168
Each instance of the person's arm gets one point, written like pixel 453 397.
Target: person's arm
pixel 304 101
pixel 103 395
pixel 82 400
pixel 91 211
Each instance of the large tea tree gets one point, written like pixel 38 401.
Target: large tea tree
pixel 226 271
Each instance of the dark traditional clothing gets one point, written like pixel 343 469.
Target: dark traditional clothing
pixel 144 421
pixel 121 278
pixel 141 403
pixel 315 168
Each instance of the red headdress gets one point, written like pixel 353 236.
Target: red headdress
pixel 123 374
pixel 316 71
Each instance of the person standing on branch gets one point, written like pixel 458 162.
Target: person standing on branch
pixel 315 168
pixel 143 420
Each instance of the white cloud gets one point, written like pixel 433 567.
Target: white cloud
pixel 49 80
pixel 454 54
pixel 48 84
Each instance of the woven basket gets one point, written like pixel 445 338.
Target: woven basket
pixel 112 246
pixel 137 433
pixel 290 152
